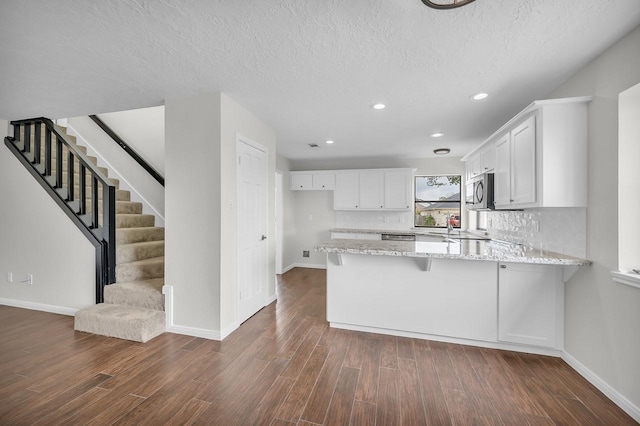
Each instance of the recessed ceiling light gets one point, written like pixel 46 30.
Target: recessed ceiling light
pixel 437 135
pixel 479 96
pixel 441 151
pixel 378 106
pixel 329 142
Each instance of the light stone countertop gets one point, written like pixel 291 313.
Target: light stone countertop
pixel 495 251
pixel 412 231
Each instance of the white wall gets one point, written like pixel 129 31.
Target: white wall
pixel 133 177
pixel 308 232
pixel 200 238
pixel 237 120
pixel 36 237
pixel 289 213
pixel 192 208
pixel 143 130
pixel 602 316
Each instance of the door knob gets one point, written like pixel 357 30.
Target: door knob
pixel 264 237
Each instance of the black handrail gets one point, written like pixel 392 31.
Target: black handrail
pixel 28 149
pixel 148 167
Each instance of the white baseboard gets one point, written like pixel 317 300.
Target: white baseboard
pixel 304 265
pixel 39 307
pixel 469 342
pixel 195 332
pixel 622 402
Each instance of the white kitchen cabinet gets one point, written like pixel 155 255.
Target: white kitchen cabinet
pixel 324 181
pixel 346 195
pixel 531 305
pixel 540 156
pixel 515 173
pixel 398 194
pixel 488 157
pixel 300 181
pixel 371 190
pixel 482 161
pixel 311 180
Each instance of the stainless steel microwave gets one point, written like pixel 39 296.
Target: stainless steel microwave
pixel 479 192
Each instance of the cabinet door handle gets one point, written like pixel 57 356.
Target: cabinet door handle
pixel 503 266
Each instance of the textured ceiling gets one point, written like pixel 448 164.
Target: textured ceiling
pixel 310 69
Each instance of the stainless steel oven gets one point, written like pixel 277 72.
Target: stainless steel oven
pixel 479 192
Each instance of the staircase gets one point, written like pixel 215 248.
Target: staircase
pixel 129 247
pixel 133 307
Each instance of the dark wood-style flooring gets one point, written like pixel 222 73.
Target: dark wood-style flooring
pixel 284 366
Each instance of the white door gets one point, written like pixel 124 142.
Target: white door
pixel 253 207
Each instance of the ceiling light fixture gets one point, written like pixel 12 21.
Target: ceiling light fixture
pixel 479 96
pixel 378 106
pixel 437 135
pixel 441 151
pixel 329 142
pixel 446 4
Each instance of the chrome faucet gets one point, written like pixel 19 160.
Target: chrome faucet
pixel 449 225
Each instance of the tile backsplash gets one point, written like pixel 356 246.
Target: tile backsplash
pixel 561 230
pixel 391 220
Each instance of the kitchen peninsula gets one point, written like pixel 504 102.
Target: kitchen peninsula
pixel 472 291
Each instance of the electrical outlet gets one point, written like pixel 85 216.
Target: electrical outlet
pixel 30 279
pixel 305 253
pixel 9 277
pixel 536 225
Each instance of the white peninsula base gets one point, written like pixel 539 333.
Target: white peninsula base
pixel 457 301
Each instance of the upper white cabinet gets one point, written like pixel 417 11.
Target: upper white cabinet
pixel 375 189
pixel 482 161
pixel 540 156
pixel 398 189
pixel 346 195
pixel 320 180
pixel 515 182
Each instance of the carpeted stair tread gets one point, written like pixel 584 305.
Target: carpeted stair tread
pixel 134 220
pixel 123 322
pixel 140 269
pixel 135 235
pixel 142 293
pixel 138 251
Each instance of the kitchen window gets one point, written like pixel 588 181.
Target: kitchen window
pixel 437 201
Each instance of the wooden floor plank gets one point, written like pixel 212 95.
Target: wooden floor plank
pixel 367 389
pixel 320 397
pixel 409 391
pixel 339 411
pixel 388 406
pixel 363 414
pixel 284 366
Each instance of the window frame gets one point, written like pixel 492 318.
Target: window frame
pixel 416 202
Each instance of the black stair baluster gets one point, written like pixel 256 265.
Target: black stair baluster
pixel 58 162
pixel 27 138
pixel 70 177
pixel 47 151
pixel 94 201
pixel 16 132
pixel 109 228
pixel 82 190
pixel 36 143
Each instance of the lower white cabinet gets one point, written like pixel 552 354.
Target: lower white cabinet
pixel 531 305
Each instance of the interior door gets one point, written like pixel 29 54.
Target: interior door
pixel 253 207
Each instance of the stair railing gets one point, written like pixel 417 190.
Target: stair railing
pixel 43 147
pixel 128 149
